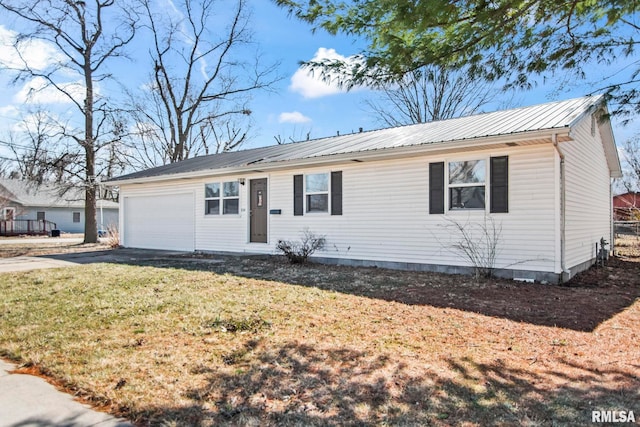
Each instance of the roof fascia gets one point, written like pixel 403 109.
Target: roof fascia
pixel 610 147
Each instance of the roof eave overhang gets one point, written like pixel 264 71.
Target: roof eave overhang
pixel 480 143
pixel 610 149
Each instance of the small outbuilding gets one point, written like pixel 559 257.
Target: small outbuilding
pixel 626 207
pixel 528 188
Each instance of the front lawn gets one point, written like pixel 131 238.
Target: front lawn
pixel 243 341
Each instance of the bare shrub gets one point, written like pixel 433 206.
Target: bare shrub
pixel 113 236
pixel 299 252
pixel 478 242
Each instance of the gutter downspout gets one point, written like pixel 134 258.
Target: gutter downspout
pixel 612 230
pixel 565 273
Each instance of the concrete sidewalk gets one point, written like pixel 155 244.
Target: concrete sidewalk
pixel 27 400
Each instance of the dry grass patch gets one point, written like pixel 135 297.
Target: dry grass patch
pixel 52 246
pixel 219 344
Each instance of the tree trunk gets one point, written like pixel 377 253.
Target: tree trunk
pixel 90 224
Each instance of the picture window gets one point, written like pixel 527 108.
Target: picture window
pixel 225 196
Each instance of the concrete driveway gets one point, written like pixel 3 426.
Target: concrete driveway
pixel 118 256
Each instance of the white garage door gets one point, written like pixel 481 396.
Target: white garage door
pixel 164 221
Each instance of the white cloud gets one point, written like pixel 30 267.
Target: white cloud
pixel 9 111
pixel 37 91
pixel 37 54
pixel 311 85
pixel 293 117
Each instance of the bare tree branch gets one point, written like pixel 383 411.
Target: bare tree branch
pixel 431 93
pixel 77 30
pixel 199 89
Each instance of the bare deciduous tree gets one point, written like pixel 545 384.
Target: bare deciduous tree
pixel 39 150
pixel 294 137
pixel 631 150
pixel 200 87
pixel 431 93
pixel 85 36
pixel 41 153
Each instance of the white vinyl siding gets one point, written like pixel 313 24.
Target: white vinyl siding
pixel 588 197
pixel 63 217
pixel 385 214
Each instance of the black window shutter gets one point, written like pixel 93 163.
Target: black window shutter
pixel 298 196
pixel 336 193
pixel 499 184
pixel 436 188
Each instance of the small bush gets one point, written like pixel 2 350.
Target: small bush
pixel 113 237
pixel 299 252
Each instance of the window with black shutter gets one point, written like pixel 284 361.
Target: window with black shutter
pixel 317 193
pixel 466 182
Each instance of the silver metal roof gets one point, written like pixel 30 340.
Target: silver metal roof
pixel 549 116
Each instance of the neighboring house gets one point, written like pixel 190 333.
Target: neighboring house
pixel 626 207
pixel 25 200
pixel 392 197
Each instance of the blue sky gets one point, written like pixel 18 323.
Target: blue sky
pixel 299 103
pixel 332 110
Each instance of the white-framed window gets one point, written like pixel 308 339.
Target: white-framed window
pixel 316 192
pixel 212 198
pixel 9 214
pixel 76 217
pixel 231 198
pixel 467 184
pixel 222 198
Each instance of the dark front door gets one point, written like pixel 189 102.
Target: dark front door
pixel 258 214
